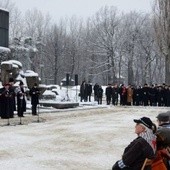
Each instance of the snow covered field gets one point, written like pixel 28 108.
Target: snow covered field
pixel 90 138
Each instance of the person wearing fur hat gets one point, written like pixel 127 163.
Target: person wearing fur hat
pixel 144 146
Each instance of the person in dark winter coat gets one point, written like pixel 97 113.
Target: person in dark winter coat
pixel 165 95
pixel 34 93
pixel 95 88
pixel 145 95
pixel 89 91
pixel 144 146
pixel 13 95
pixel 152 95
pixel 115 92
pixel 123 95
pixel 108 93
pixel 83 92
pixel 100 94
pixel 137 96
pixel 160 96
pixel 21 100
pixel 7 109
pixel 163 139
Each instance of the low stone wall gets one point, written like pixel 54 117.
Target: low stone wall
pixel 60 105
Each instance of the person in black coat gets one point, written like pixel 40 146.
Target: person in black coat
pixel 21 100
pixel 145 95
pixel 115 92
pixel 160 98
pixel 137 96
pixel 123 95
pixel 34 93
pixel 83 91
pixel 95 88
pixel 144 146
pixel 152 95
pixel 13 95
pixel 100 94
pixel 108 93
pixel 6 105
pixel 89 91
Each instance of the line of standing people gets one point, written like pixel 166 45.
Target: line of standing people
pixel 14 99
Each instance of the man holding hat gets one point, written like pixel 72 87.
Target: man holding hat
pixel 144 146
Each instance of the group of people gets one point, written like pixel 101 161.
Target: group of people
pixel 14 99
pixel 152 143
pixel 154 95
pixel 86 90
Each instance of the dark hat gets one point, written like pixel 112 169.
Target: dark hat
pixel 145 121
pixel 163 117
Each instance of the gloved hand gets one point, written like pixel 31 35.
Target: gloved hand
pixel 116 167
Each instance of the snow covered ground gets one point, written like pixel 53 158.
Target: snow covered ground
pixel 84 138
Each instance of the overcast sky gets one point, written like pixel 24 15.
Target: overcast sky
pixel 81 8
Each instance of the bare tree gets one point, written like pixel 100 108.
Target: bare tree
pixel 162 30
pixel 36 24
pixel 104 40
pixel 74 46
pixel 55 47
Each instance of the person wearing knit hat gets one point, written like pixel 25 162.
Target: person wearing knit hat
pixel 142 147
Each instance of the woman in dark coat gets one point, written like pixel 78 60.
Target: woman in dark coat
pixel 144 146
pixel 34 93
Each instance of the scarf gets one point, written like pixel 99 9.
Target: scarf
pixel 149 137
